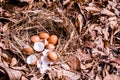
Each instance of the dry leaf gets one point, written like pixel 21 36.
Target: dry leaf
pixel 65 66
pixel 98 77
pixel 23 78
pixel 92 9
pixel 13 61
pixel 70 75
pixel 80 22
pixel 5 27
pixel 74 64
pixel 107 12
pixel 2 45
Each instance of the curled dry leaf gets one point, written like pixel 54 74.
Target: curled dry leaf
pixel 23 78
pixel 13 61
pixel 80 22
pixel 65 66
pixel 111 77
pixel 13 74
pixel 74 64
pixel 5 56
pixel 2 45
pixel 5 27
pixel 70 75
pixel 92 9
pixel 107 12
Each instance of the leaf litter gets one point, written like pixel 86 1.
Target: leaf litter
pixel 89 39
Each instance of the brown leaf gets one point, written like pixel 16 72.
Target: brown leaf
pixel 80 22
pixel 74 64
pixel 22 68
pixel 92 9
pixel 23 78
pixel 107 12
pixel 5 27
pixel 111 77
pixel 2 45
pixel 98 77
pixel 13 74
pixel 70 75
pixel 65 66
pixel 13 61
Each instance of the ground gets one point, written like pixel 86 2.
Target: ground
pixel 88 31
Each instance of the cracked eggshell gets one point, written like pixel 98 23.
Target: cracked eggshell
pixel 44 35
pixel 42 64
pixel 35 38
pixel 45 42
pixel 39 46
pixel 53 39
pixel 28 50
pixel 45 52
pixel 32 60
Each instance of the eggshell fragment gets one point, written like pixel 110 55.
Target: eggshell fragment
pixel 32 60
pixel 45 52
pixel 52 56
pixel 39 46
pixel 45 42
pixel 44 35
pixel 53 39
pixel 50 46
pixel 42 64
pixel 35 38
pixel 28 50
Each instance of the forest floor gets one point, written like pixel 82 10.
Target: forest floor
pixel 88 32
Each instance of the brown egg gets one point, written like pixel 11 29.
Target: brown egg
pixel 44 35
pixel 35 38
pixel 52 56
pixel 50 46
pixel 28 50
pixel 53 39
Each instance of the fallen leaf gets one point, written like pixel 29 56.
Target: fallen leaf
pixel 65 66
pixel 70 75
pixel 92 9
pixel 74 64
pixel 107 12
pixel 5 27
pixel 13 61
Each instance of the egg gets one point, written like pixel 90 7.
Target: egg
pixel 32 60
pixel 53 39
pixel 28 50
pixel 52 56
pixel 44 35
pixel 50 46
pixel 35 38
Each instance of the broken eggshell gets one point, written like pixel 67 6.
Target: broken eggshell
pixel 39 46
pixel 32 60
pixel 45 52
pixel 42 64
